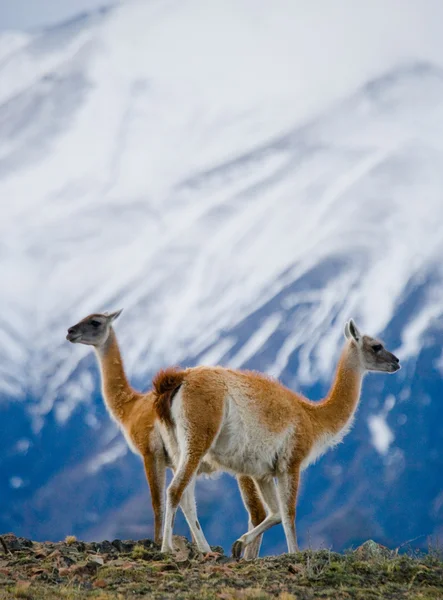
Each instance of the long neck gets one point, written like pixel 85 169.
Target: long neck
pixel 119 396
pixel 336 411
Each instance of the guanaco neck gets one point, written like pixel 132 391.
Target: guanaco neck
pixel 336 411
pixel 118 395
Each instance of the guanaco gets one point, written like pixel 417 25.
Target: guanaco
pixel 248 424
pixel 135 413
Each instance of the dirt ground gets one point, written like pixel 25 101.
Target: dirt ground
pixel 75 570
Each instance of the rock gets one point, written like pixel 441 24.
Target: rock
pixel 89 568
pixel 67 561
pixel 296 569
pixel 60 558
pixel 14 543
pixel 116 562
pixel 105 547
pixel 149 544
pixel 97 559
pixel 79 546
pixel 168 567
pixel 370 550
pixel 186 550
pixel 181 549
pixel 123 546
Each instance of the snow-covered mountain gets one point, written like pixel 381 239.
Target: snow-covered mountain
pixel 149 162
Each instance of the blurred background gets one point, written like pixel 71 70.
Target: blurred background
pixel 241 177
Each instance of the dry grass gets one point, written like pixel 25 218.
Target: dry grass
pixel 74 570
pixel 70 539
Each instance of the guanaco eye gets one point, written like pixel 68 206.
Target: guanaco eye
pixel 377 347
pixel 95 323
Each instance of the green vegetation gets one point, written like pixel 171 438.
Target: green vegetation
pixel 74 570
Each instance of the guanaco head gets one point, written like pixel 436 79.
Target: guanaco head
pixel 372 355
pixel 92 330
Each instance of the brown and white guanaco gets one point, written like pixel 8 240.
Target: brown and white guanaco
pixel 135 413
pixel 248 424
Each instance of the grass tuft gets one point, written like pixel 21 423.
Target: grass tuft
pixel 70 539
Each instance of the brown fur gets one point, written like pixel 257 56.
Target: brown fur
pixel 252 498
pixel 165 384
pixel 205 389
pixel 332 413
pixel 266 405
pixel 137 413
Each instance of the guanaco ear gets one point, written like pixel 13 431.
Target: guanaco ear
pixel 114 315
pixel 353 331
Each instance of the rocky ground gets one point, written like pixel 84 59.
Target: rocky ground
pixel 127 569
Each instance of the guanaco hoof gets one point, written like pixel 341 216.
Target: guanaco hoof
pixel 237 548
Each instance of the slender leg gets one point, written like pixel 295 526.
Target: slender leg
pixel 256 511
pixel 187 504
pixel 184 507
pixel 155 470
pixel 183 487
pixel 195 429
pixel 267 492
pixel 287 486
pixel 186 471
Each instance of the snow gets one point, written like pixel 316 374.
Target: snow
pixel 257 340
pixel 381 434
pixel 22 446
pixel 412 337
pixel 22 14
pixel 214 355
pixel 192 162
pixel 107 457
pixel 16 482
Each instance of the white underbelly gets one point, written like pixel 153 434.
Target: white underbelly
pixel 244 446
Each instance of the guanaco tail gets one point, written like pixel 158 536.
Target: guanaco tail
pixel 250 425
